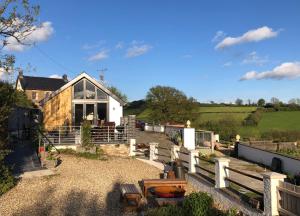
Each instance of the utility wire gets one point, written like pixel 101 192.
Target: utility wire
pixel 52 59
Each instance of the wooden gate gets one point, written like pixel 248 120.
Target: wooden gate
pixel 289 199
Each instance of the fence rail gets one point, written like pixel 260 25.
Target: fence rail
pixel 72 135
pixel 289 202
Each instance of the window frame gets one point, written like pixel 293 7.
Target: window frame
pixel 85 92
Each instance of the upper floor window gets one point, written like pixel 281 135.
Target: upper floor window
pixel 90 90
pixel 84 89
pixel 78 90
pixel 33 95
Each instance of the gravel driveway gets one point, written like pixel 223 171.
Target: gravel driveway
pixel 79 187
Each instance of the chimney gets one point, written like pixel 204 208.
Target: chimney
pixel 20 73
pixel 65 78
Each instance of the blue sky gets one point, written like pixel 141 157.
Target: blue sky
pixel 174 43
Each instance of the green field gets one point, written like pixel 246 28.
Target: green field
pixel 227 109
pixel 288 120
pixel 283 120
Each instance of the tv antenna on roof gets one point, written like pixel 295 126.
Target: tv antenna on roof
pixel 101 71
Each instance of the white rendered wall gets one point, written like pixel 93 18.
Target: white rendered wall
pixel 289 165
pixel 115 111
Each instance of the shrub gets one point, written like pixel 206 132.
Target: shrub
pixel 7 180
pixel 86 135
pixel 198 204
pixel 253 119
pixel 168 210
pixel 227 128
pixel 281 136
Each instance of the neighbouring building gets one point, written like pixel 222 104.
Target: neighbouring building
pixel 37 88
pixel 81 98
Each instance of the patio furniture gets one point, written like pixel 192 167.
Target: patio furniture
pixel 168 192
pixel 130 196
pixel 148 183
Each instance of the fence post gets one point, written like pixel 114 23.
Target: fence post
pixel 212 142
pixel 153 151
pixel 59 134
pixel 174 152
pixel 221 173
pixel 189 138
pixel 132 147
pixel 192 160
pixel 271 181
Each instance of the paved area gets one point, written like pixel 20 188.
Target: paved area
pixel 23 158
pixel 79 187
pixel 164 155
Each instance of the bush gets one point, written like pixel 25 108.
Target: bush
pixel 7 180
pixel 168 210
pixel 86 135
pixel 253 119
pixel 227 128
pixel 281 136
pixel 198 204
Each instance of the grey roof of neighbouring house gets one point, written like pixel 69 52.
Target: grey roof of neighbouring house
pixel 41 83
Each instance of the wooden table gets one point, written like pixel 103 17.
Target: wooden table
pixel 148 183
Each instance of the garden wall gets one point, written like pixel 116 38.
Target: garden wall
pixel 289 165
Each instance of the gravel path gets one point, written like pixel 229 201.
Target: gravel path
pixel 79 187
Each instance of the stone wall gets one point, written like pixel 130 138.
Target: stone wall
pixel 120 150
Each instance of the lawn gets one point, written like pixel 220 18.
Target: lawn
pixel 288 120
pixel 226 109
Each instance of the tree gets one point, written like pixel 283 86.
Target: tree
pixel 239 102
pixel 118 93
pixel 275 100
pixel 168 104
pixel 17 19
pixel 261 102
pixel 294 101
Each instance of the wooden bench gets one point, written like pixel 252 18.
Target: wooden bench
pixel 130 195
pixel 148 183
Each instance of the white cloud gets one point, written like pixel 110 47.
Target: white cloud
pixel 218 36
pixel 55 76
pixel 99 56
pixel 38 34
pixel 119 45
pixel 253 58
pixel 287 70
pixel 227 64
pixel 136 49
pixel 93 46
pixel 254 35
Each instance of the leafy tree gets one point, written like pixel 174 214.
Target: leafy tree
pixel 239 102
pixel 118 93
pixel 275 100
pixel 261 102
pixel 168 104
pixel 295 101
pixel 17 18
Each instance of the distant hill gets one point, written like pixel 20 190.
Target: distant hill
pixel 280 120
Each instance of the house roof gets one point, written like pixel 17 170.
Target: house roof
pixel 41 83
pixel 76 79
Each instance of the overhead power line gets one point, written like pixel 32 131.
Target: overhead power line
pixel 52 59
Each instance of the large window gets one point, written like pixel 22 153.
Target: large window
pixel 84 89
pixel 78 90
pixel 90 90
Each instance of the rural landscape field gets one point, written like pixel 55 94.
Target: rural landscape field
pixel 270 121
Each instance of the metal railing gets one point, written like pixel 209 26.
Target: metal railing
pixel 204 138
pixel 72 135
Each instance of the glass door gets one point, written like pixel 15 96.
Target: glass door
pixel 90 113
pixel 78 113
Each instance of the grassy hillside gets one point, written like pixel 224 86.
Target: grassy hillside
pixel 282 120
